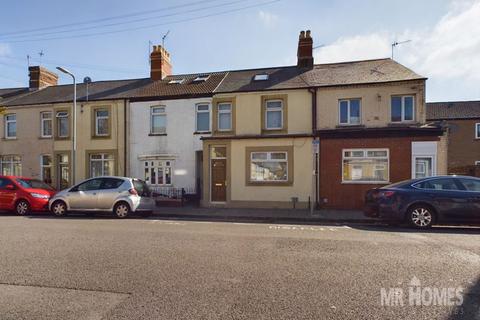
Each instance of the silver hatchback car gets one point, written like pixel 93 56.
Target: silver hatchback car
pixel 119 195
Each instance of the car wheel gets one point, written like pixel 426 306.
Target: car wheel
pixel 22 208
pixel 421 216
pixel 121 210
pixel 59 208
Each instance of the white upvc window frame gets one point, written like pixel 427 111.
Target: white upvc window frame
pixel 155 113
pixel 155 166
pixel 229 112
pixel 62 115
pixel 365 156
pixel 42 124
pixel 269 159
pixel 349 121
pixel 104 157
pixel 274 109
pixel 97 120
pixel 197 112
pixel 477 163
pixel 477 130
pixel 11 161
pixel 8 123
pixel 43 165
pixel 414 107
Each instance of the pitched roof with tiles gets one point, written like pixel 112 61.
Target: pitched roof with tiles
pixel 321 75
pixel 290 77
pixel 124 89
pixel 453 110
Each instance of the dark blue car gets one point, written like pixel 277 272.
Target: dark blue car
pixel 427 201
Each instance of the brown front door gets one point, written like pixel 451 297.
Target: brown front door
pixel 219 177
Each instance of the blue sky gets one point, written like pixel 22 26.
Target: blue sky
pixel 445 36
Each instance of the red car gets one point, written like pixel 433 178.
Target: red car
pixel 24 195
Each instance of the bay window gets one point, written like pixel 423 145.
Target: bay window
pixel 365 166
pixel 158 172
pixel 402 108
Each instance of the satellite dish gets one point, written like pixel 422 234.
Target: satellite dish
pixel 87 80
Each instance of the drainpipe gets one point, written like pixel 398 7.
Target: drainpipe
pixel 313 91
pixel 125 142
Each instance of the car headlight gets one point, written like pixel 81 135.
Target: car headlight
pixel 39 195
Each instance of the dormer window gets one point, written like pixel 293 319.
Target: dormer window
pixel 261 77
pixel 176 81
pixel 200 78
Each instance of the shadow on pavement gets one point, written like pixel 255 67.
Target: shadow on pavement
pixel 470 309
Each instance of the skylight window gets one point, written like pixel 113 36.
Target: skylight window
pixel 261 77
pixel 202 77
pixel 176 81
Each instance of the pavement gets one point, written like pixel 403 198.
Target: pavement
pixel 153 268
pixel 265 215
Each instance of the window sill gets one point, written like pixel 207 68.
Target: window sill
pixel 366 182
pixel 157 134
pixel 101 137
pixel 339 126
pixel 202 132
pixel 9 139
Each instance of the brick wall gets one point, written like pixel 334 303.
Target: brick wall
pixel 350 196
pixel 463 148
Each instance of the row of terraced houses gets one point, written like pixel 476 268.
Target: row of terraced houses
pixel 303 135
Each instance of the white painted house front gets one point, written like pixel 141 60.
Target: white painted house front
pixel 165 148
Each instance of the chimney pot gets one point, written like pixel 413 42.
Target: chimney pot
pixel 41 78
pixel 305 50
pixel 160 66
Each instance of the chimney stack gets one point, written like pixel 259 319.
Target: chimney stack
pixel 41 78
pixel 160 66
pixel 305 50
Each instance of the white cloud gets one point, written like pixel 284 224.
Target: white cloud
pixel 448 50
pixel 267 18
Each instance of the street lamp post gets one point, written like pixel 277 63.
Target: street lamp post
pixel 74 142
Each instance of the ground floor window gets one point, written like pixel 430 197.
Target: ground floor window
pixel 101 164
pixel 365 165
pixel 11 165
pixel 46 168
pixel 158 172
pixel 268 166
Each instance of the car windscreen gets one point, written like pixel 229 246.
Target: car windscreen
pixel 33 184
pixel 141 187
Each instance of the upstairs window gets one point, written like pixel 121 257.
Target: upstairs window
pixel 158 120
pixel 10 126
pixel 273 114
pixel 224 116
pixel 349 112
pixel 102 122
pixel 202 118
pixel 477 130
pixel 403 108
pixel 62 124
pixel 46 125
